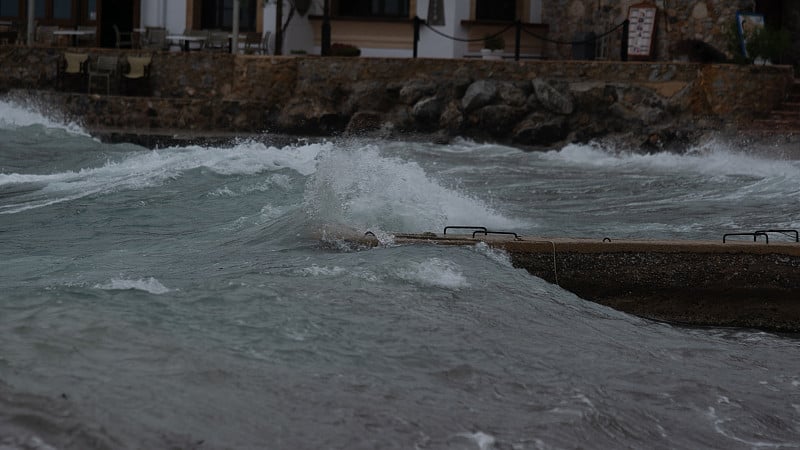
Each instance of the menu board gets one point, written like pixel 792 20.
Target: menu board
pixel 641 30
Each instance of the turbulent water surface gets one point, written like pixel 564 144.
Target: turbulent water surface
pixel 182 298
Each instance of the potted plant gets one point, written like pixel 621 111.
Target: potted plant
pixel 493 46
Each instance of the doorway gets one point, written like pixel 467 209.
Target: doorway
pixel 122 13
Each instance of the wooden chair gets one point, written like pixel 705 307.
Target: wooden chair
pixel 104 67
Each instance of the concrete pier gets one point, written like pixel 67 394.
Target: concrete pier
pixel 704 283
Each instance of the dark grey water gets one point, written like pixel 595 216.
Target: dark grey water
pixel 180 298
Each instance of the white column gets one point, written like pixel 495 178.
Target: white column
pixel 235 39
pixel 31 15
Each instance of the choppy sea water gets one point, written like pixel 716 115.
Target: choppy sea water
pixel 182 298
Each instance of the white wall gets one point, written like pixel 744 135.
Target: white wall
pixel 433 45
pixel 176 15
pixel 152 13
pixel 299 34
pixel 536 11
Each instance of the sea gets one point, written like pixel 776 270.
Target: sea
pixel 203 297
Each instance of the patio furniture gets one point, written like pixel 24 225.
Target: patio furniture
pixel 45 36
pixel 185 41
pixel 138 73
pixel 8 32
pixel 72 66
pixel 217 41
pixel 75 35
pixel 252 43
pixel 88 37
pixel 104 67
pixel 155 38
pixel 124 38
pixel 265 43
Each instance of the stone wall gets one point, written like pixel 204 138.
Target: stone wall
pixel 535 103
pixel 679 20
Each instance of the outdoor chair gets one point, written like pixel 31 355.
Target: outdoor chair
pixel 104 67
pixel 217 41
pixel 138 73
pixel 196 45
pixel 265 43
pixel 252 43
pixel 124 38
pixel 89 39
pixel 72 66
pixel 155 38
pixel 45 36
pixel 8 33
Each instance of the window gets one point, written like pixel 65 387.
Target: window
pixel 219 14
pixel 62 9
pixel 46 11
pixel 505 10
pixel 9 8
pixel 372 8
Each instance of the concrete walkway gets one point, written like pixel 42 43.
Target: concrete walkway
pixel 707 283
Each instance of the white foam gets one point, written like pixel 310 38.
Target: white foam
pixel 482 440
pixel 434 272
pixel 317 271
pixel 150 285
pixel 13 115
pixel 364 190
pixel 712 159
pixel 497 255
pixel 152 168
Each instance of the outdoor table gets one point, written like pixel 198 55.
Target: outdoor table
pixel 185 40
pixel 74 34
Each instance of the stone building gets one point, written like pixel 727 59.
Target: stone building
pixel 678 21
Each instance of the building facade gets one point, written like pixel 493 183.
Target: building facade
pixel 550 29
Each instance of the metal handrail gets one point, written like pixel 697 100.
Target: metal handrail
pixel 755 236
pixel 461 227
pixel 784 232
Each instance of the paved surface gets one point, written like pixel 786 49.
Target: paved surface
pixel 738 283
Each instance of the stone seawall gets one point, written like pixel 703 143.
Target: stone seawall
pixel 528 103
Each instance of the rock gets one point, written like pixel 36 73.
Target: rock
pixel 414 90
pixel 367 96
pixel 452 119
pixel 540 130
pixel 427 111
pixel 478 95
pixel 511 95
pixel 497 120
pixel 551 99
pixel 310 117
pixel 364 121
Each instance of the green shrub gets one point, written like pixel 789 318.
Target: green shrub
pixel 767 43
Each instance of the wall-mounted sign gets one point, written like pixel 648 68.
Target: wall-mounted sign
pixel 641 31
